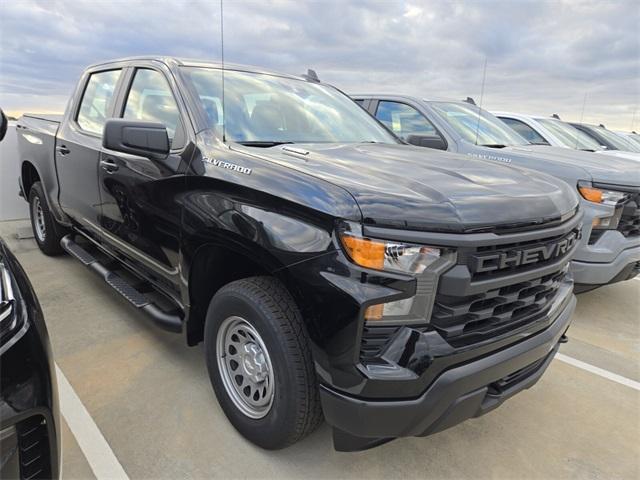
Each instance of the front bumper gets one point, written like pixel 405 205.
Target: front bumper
pixel 465 391
pixel 625 266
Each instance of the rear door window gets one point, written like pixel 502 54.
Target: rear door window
pixel 96 100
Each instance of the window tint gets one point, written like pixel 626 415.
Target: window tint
pixel 525 130
pixel 96 99
pixel 403 120
pixel 150 100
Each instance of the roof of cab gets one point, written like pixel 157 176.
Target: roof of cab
pixel 190 62
pixel 406 97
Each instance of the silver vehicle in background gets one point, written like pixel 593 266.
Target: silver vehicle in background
pixel 606 138
pixel 552 131
pixel 633 137
pixel 609 250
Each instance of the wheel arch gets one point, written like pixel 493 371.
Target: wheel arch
pixel 214 266
pixel 28 176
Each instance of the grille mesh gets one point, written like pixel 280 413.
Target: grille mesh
pixel 468 319
pixel 629 224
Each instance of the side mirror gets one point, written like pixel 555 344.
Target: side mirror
pixel 429 141
pixel 3 124
pixel 145 139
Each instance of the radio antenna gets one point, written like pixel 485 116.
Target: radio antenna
pixel 584 103
pixel 484 77
pixel 224 116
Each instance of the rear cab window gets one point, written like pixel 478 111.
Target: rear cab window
pixel 96 101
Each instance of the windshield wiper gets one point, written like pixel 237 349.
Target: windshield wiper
pixel 263 143
pixel 493 145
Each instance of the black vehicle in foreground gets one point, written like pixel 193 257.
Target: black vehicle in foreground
pixel 329 269
pixel 29 425
pixel 29 414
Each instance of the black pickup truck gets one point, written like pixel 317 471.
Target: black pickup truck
pixel 331 270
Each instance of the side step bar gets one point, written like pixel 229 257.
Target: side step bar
pixel 166 321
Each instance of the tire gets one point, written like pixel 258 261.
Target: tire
pixel 46 230
pixel 271 321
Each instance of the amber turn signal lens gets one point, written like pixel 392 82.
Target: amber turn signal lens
pixel 364 252
pixel 374 312
pixel 591 194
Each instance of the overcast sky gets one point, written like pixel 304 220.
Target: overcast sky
pixel 543 56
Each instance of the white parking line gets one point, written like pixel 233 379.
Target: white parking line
pixel 599 371
pixel 95 448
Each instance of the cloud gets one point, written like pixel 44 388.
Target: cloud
pixel 543 56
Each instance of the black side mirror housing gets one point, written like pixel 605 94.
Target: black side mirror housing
pixel 429 141
pixel 4 122
pixel 145 139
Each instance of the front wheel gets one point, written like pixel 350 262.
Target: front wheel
pixel 45 230
pixel 260 363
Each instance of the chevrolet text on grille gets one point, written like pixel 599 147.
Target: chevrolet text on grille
pixel 525 256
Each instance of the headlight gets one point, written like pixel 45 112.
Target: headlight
pixel 391 256
pixel 610 198
pixel 599 195
pixel 421 261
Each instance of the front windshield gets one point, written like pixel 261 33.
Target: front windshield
pixel 478 128
pixel 266 110
pixel 569 136
pixel 617 141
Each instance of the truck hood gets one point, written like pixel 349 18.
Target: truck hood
pixel 587 165
pixel 417 188
pixel 620 154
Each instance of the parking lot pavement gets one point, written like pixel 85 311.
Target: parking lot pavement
pixel 74 464
pixel 149 394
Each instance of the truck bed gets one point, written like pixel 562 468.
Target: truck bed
pixel 36 134
pixel 40 122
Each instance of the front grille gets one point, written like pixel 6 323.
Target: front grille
pixel 490 290
pixel 629 224
pixel 33 445
pixel 464 320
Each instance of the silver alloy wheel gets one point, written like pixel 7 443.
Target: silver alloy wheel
pixel 245 367
pixel 38 219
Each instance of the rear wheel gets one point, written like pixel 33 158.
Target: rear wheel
pixel 45 228
pixel 260 363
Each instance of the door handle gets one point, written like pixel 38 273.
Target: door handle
pixel 63 150
pixel 109 165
